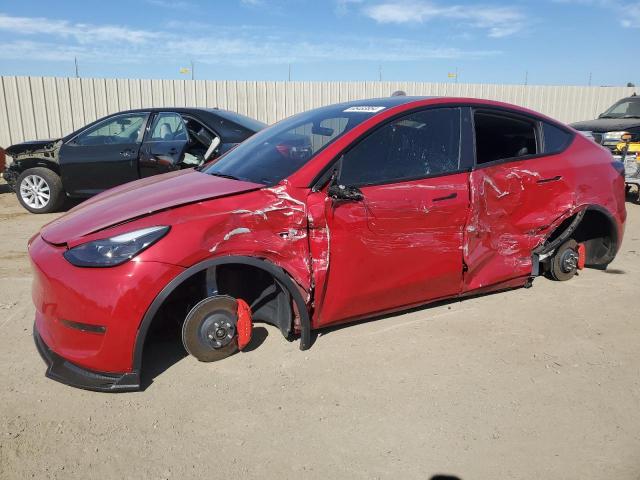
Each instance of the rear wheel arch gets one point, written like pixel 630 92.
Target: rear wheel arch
pixel 592 225
pixel 279 274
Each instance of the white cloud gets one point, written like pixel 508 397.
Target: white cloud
pixel 81 32
pixel 627 13
pixel 497 20
pixel 243 46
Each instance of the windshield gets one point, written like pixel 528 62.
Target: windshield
pixel 278 151
pixel 623 109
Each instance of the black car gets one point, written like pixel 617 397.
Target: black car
pixel 622 117
pixel 120 148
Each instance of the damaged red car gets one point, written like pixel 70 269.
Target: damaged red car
pixel 330 216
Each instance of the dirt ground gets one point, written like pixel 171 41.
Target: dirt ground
pixel 537 383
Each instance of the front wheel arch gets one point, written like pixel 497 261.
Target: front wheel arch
pixel 278 273
pixel 26 163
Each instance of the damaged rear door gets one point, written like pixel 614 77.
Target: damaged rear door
pixel 519 189
pixel 398 240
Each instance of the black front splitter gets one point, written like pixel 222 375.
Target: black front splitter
pixel 64 371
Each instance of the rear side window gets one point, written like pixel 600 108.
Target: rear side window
pixel 502 136
pixel 415 146
pixel 555 139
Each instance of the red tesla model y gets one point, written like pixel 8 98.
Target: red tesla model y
pixel 335 214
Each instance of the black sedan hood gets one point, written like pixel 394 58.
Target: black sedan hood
pixel 32 146
pixel 601 125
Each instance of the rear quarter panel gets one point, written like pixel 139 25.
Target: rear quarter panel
pixel 599 179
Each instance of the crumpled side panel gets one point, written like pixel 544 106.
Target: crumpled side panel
pixel 271 224
pixel 400 245
pixel 514 207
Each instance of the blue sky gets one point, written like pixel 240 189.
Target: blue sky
pixel 555 41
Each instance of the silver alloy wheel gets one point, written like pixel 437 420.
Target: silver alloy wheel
pixel 35 191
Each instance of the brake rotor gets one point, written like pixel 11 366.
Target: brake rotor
pixel 565 262
pixel 209 332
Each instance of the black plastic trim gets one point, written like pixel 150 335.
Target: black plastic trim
pixel 279 274
pixel 547 247
pixel 84 327
pixel 64 371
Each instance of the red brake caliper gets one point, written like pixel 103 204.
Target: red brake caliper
pixel 244 324
pixel 582 256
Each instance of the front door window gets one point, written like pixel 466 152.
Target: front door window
pixel 122 129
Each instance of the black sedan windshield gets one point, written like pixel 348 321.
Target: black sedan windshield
pixel 278 151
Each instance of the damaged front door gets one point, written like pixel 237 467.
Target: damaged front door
pixel 519 189
pixel 396 238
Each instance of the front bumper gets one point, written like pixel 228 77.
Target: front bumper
pixel 87 319
pixel 11 177
pixel 64 371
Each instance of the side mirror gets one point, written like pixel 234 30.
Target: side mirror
pixel 345 193
pixel 626 137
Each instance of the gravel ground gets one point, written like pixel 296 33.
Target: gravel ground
pixel 537 383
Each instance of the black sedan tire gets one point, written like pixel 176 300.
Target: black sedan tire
pixel 39 190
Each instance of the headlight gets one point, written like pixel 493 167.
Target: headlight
pixel 8 160
pixel 613 136
pixel 115 250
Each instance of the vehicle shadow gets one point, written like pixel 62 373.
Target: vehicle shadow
pixel 258 336
pixel 161 352
pixel 4 188
pixel 615 271
pixel 159 355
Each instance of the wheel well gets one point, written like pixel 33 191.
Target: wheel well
pixel 273 296
pixel 592 227
pixel 27 163
pixel 598 233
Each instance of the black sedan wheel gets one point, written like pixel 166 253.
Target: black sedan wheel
pixel 39 190
pixel 209 332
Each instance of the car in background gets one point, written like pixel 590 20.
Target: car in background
pixel 618 129
pixel 119 148
pixel 607 130
pixel 333 215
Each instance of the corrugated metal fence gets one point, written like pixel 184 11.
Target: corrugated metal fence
pixel 46 107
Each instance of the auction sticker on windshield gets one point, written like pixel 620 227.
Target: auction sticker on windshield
pixel 364 109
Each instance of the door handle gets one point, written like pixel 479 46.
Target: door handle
pixel 550 179
pixel 451 196
pixel 126 153
pixel 173 151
